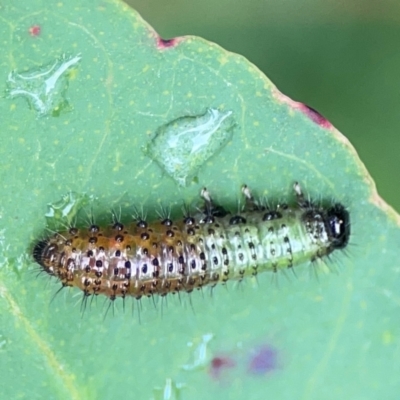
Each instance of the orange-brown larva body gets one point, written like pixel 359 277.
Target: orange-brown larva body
pixel 143 259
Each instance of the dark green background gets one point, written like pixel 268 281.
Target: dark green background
pixel 339 57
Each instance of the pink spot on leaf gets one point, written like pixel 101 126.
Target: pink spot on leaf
pixel 314 115
pixel 219 364
pixel 34 30
pixel 166 43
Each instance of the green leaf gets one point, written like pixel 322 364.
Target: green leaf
pixel 87 92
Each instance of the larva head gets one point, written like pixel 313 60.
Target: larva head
pixel 338 225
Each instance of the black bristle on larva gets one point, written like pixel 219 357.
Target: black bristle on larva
pixel 213 246
pixel 38 250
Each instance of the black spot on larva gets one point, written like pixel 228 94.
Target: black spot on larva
pixel 99 263
pixel 189 221
pixel 170 233
pixel 93 240
pixel 154 245
pixel 87 269
pixel 215 277
pixel 127 264
pixel 145 236
pixel 218 211
pixel 190 231
pixel 118 253
pixel 144 268
pixel 224 251
pixel 167 222
pixel 98 274
pixel 145 251
pixel 241 256
pixel 141 224
pixel 116 271
pixel 181 260
pixel 94 228
pixel 251 245
pixel 118 226
pixel 211 232
pixel 73 231
pixel 155 262
pixel 128 248
pixel 119 238
pixel 215 260
pixel 73 250
pixel 209 219
pixel 128 275
pixel 89 253
pixel 271 215
pixel 101 248
pixel 193 264
pixel 170 267
pixel 237 219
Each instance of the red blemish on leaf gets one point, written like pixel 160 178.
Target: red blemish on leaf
pixel 34 30
pixel 166 43
pixel 314 115
pixel 220 363
pixel 263 361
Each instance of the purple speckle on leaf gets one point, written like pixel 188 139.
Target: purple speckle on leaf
pixel 264 361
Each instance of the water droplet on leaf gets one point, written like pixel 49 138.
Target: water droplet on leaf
pixel 44 88
pixel 66 208
pixel 183 145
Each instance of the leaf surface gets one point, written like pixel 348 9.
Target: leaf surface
pixel 87 91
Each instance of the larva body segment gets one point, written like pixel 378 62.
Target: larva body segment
pixel 168 256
